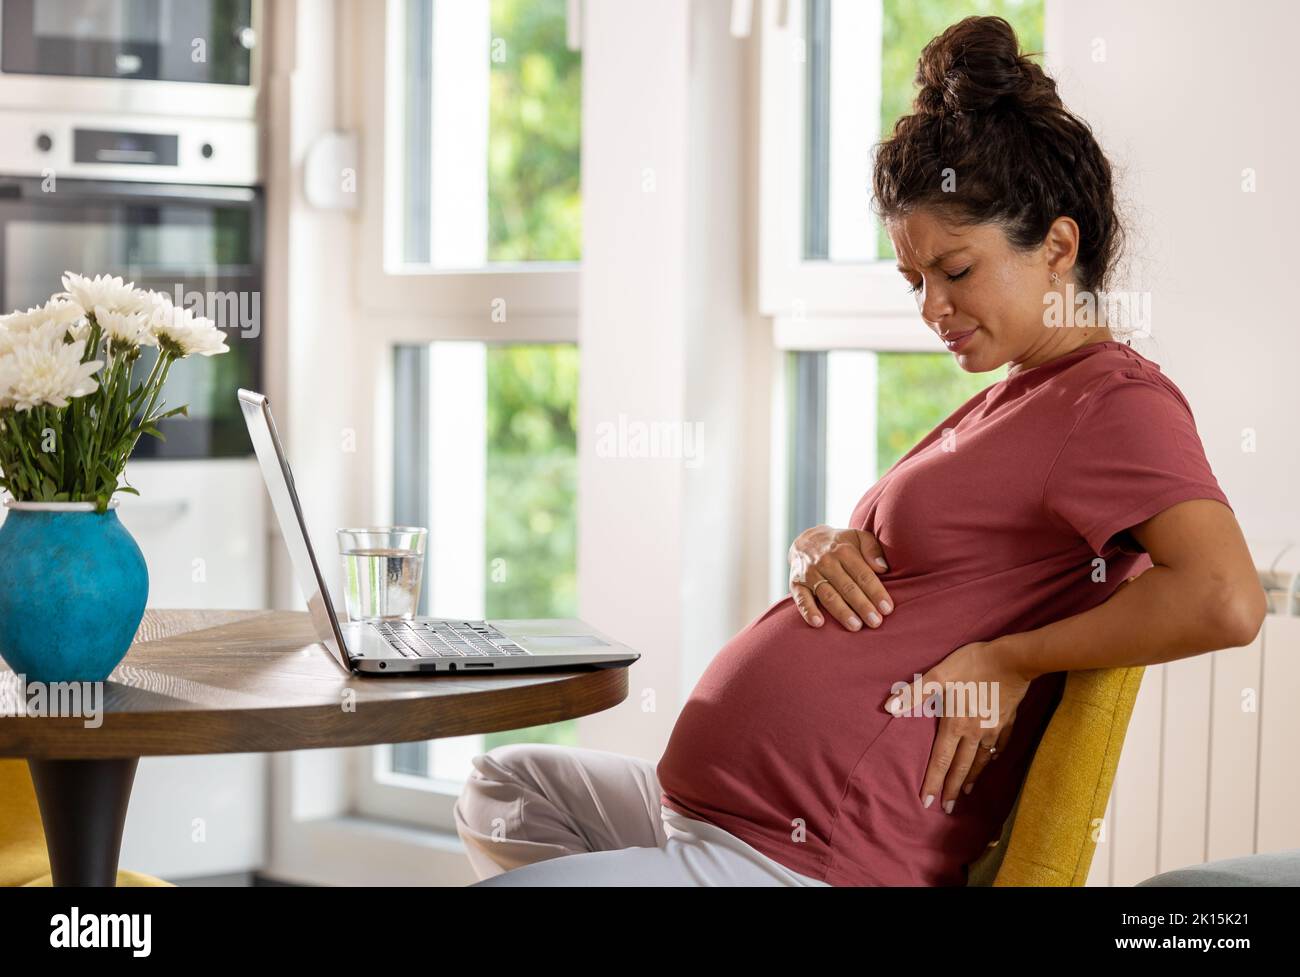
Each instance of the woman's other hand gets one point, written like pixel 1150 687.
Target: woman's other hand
pixel 837 569
pixel 972 730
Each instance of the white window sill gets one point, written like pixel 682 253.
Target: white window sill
pixel 356 851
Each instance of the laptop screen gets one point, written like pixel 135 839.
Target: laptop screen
pixel 288 513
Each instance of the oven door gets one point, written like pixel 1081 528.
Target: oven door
pixel 200 245
pixel 159 40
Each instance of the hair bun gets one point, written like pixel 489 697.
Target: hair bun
pixel 976 65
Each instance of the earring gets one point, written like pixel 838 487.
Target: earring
pixel 1055 278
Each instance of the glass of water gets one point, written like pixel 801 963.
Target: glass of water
pixel 382 569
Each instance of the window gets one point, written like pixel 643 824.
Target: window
pixel 490 100
pixel 486 457
pixel 850 414
pixel 853 101
pixel 836 76
pixel 470 189
pixel 470 234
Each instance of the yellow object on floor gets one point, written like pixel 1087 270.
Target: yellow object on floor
pixel 23 860
pixel 1050 835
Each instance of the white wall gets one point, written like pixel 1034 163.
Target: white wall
pixel 1190 94
pixel 728 348
pixel 311 334
pixel 664 314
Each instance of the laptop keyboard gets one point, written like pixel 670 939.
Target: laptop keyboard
pixel 447 639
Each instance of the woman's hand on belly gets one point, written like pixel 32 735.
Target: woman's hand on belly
pixel 974 692
pixel 837 568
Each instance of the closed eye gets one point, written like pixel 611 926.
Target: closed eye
pixel 914 288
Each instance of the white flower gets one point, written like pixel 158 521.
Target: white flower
pixel 112 293
pixel 16 323
pixel 70 314
pixel 41 368
pixel 6 384
pixel 148 302
pixel 67 314
pixel 182 333
pixel 8 335
pixel 124 328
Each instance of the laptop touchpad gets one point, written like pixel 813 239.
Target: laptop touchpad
pixel 562 641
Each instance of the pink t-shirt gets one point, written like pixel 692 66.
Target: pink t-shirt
pixel 991 525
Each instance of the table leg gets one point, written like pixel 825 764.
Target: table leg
pixel 83 808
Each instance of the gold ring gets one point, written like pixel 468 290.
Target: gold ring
pixel 818 584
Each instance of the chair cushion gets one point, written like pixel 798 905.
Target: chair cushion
pixel 22 840
pixel 1050 835
pixel 1280 868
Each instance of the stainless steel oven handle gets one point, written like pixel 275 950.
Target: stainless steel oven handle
pixel 126 155
pixel 73 189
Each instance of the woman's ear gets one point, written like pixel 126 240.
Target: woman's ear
pixel 1061 246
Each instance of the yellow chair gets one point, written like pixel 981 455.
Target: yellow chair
pixel 23 860
pixel 1049 836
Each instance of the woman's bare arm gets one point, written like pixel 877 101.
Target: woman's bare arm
pixel 1202 593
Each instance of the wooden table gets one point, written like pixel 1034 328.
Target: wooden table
pixel 199 682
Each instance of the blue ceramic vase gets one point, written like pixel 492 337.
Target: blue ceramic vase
pixel 73 587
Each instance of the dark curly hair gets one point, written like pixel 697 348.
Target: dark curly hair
pixel 1019 158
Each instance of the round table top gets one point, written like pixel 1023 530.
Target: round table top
pixel 258 681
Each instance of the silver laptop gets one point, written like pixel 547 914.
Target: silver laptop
pixel 423 644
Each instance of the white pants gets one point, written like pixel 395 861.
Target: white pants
pixel 537 814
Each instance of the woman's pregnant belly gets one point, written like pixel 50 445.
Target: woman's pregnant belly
pixel 785 743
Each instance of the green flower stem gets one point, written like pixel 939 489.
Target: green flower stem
pixel 32 468
pixel 105 414
pixel 153 370
pixel 122 398
pixel 148 417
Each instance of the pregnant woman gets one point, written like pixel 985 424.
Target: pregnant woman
pixel 995 552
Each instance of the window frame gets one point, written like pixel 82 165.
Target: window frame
pixel 791 288
pixel 542 297
pixel 380 794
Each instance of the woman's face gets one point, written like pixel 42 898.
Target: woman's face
pixel 985 299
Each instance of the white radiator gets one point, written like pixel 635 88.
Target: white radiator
pixel 1211 764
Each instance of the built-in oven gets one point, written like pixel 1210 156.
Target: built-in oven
pixel 180 57
pixel 199 245
pixel 157 40
pixel 144 202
